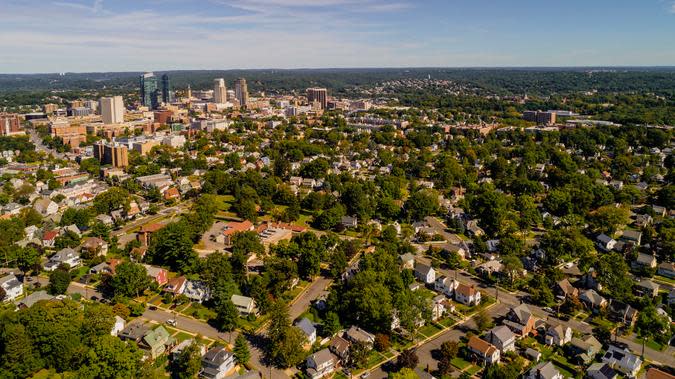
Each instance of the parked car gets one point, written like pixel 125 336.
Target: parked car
pixel 171 322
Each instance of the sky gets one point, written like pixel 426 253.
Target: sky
pixel 144 35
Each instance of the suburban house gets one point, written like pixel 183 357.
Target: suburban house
pixel 356 334
pixel 197 291
pixel 49 238
pixel 340 347
pixel 655 373
pixel 321 364
pixel 64 256
pixel 445 285
pixel 601 370
pixel 217 363
pixel 134 332
pixel 12 286
pixel 467 295
pixel 156 342
pixel 176 285
pixel 502 337
pixel 520 320
pixel 308 329
pixel 183 345
pixel 647 288
pixel 145 234
pixel 632 236
pixel 483 350
pixel 95 246
pixel 544 370
pixel 45 206
pixel 565 289
pixel 244 304
pixel 666 269
pixel 584 349
pixel 158 274
pixel 118 326
pixel 605 242
pixel 593 300
pixel 558 335
pixel 349 221
pixel 623 361
pixel 425 274
pixel 440 306
pixel 621 312
pixel 644 261
pixel 407 261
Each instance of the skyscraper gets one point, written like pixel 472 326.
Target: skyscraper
pixel 111 153
pixel 241 92
pixel 112 110
pixel 219 91
pixel 149 90
pixel 167 91
pixel 318 94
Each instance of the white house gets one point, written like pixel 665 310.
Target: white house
pixel 12 286
pixel 321 364
pixel 446 285
pixel 217 363
pixel 483 350
pixel 558 335
pixel 118 326
pixel 66 255
pixel 622 360
pixel 308 329
pixel 46 207
pixel 425 274
pixel 245 305
pixel 605 242
pixel 502 338
pixel 467 295
pixel 544 370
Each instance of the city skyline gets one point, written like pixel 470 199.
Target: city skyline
pixel 159 35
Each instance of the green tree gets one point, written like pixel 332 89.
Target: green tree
pixel 130 280
pixel 483 320
pixel 113 199
pixel 285 347
pixel 58 281
pixel 241 350
pixel 226 316
pixel 408 359
pixel 422 204
pixel 110 358
pixel 172 246
pixel 187 363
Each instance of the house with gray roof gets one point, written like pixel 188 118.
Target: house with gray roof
pixel 217 363
pixel 33 298
pixel 321 364
pixel 308 329
pixel 64 256
pixel 544 370
pixel 502 337
pixel 12 286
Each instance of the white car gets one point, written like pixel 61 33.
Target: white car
pixel 171 322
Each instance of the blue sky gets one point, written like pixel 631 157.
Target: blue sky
pixel 136 35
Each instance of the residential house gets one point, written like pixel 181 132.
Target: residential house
pixel 94 246
pixel 483 350
pixel 118 326
pixel 101 268
pixel 632 236
pixel 244 304
pixel 158 274
pixel 446 285
pixel 644 261
pixel 233 228
pixel 622 312
pixel 33 298
pixel 584 349
pixel 64 256
pixel 643 220
pixel 134 332
pixel 467 295
pixel 145 234
pixel 666 269
pixel 647 288
pixel 564 289
pixel 601 370
pixel 544 370
pixel 308 329
pixel 156 342
pixel 175 352
pixel 321 364
pixel 558 335
pixel 12 286
pixel 49 238
pixel 197 291
pixel 217 363
pixel 349 222
pixel 340 347
pixel 622 360
pixel 593 300
pixel 356 334
pixel 407 261
pixel 605 242
pixel 46 207
pixel 440 306
pixel 425 274
pixel 175 286
pixel 502 337
pixel 532 354
pixel 520 320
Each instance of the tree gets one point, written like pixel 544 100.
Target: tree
pixel 408 359
pixel 58 282
pixel 110 358
pixel 130 280
pixel 404 373
pixel 172 246
pixel 421 204
pixel 285 347
pixel 381 342
pixel 449 349
pixel 358 354
pixel 608 218
pixel 187 363
pixel 613 275
pixel 226 316
pixel 483 320
pixel 111 200
pixel 652 325
pixel 241 351
pixel 78 216
pixel 26 258
pixel 331 323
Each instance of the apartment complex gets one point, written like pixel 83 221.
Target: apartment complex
pixel 112 110
pixel 111 153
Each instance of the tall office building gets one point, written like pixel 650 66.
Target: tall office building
pixel 10 124
pixel 541 118
pixel 149 90
pixel 112 110
pixel 111 153
pixel 219 91
pixel 319 95
pixel 167 91
pixel 241 92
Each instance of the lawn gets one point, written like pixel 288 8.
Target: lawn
pixel 447 322
pixel 429 330
pixel 473 370
pixel 199 311
pixel 664 279
pixel 650 343
pixel 182 336
pixel 460 363
pixel 374 358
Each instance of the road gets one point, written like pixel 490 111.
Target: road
pixel 187 323
pixel 39 146
pixel 666 357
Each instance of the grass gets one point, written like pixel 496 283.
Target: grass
pixel 182 336
pixel 664 279
pixel 47 374
pixel 374 358
pixel 447 322
pixel 460 363
pixel 650 343
pixel 199 311
pixel 566 373
pixel 473 370
pixel 429 330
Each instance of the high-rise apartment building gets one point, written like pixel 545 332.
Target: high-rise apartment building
pixel 10 124
pixel 149 90
pixel 319 95
pixel 219 91
pixel 111 153
pixel 167 91
pixel 241 92
pixel 112 110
